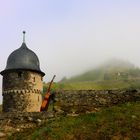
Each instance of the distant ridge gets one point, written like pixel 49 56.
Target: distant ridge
pixel 113 69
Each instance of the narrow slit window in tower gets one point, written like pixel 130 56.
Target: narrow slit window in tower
pixel 19 74
pixel 34 79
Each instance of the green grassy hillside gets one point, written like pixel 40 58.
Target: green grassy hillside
pixel 111 70
pixel 121 122
pixel 114 74
pixel 97 85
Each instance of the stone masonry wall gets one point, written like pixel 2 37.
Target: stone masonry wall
pixel 22 80
pixel 67 103
pixel 22 91
pixel 22 101
pixel 82 101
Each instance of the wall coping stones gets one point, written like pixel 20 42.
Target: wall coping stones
pixel 22 91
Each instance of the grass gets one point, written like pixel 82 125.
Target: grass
pixel 98 85
pixel 117 122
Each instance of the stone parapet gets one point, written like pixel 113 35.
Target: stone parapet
pixel 75 101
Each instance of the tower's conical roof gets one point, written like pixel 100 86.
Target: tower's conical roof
pixel 23 58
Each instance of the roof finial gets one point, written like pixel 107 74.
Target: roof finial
pixel 24 36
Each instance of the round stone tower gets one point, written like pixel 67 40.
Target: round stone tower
pixel 22 81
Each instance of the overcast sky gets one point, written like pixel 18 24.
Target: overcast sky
pixel 71 36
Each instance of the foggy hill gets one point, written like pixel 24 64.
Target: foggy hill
pixel 111 70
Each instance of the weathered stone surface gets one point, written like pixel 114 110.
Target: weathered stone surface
pixel 2 135
pixel 12 122
pixel 22 91
pixel 79 101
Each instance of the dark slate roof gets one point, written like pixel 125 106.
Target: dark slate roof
pixel 23 58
